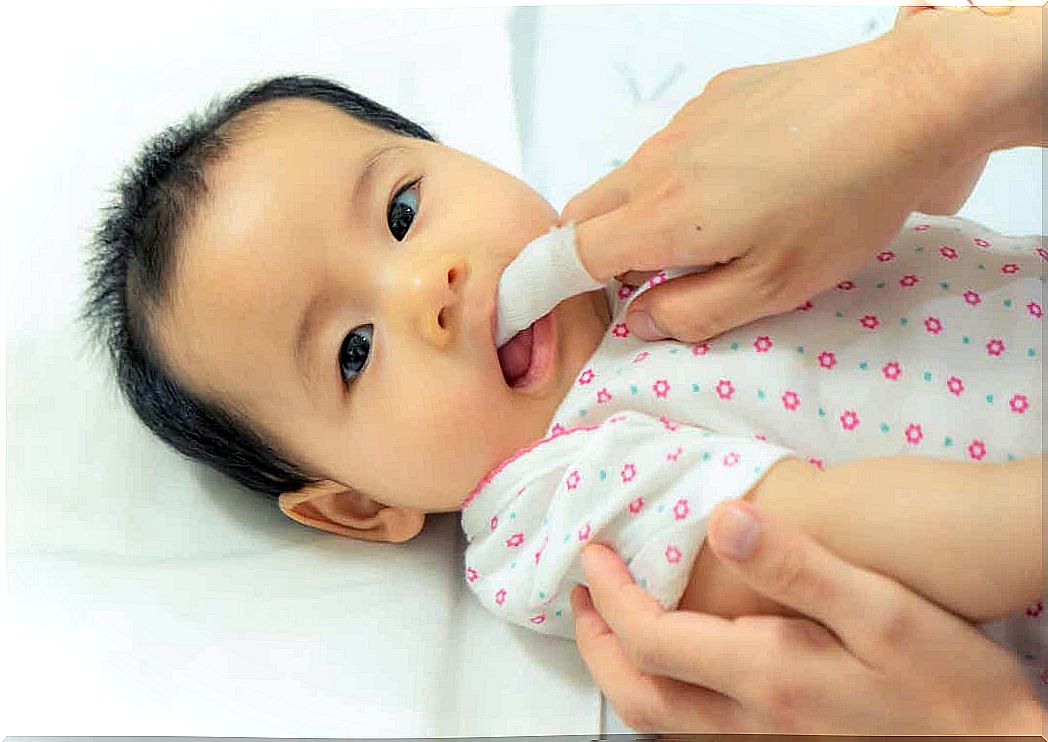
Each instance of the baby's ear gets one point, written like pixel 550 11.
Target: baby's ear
pixel 334 508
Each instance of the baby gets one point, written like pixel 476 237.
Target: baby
pixel 298 289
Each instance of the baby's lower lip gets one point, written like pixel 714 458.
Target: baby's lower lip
pixel 543 353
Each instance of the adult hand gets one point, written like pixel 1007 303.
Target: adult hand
pixel 893 664
pixel 787 177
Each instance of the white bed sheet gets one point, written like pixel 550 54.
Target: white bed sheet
pixel 146 595
pixel 596 81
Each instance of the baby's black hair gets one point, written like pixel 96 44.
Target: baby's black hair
pixel 132 259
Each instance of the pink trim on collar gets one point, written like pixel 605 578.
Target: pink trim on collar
pixel 486 480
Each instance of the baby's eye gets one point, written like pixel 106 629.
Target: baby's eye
pixel 354 353
pixel 402 210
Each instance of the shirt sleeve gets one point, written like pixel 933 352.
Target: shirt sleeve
pixel 640 484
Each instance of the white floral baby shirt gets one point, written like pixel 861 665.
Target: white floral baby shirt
pixel 933 350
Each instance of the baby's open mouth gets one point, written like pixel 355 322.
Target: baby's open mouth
pixel 527 354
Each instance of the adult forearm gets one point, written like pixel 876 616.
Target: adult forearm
pixel 979 79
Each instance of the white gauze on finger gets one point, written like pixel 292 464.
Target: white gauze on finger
pixel 545 273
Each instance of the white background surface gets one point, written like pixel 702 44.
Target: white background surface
pixel 149 596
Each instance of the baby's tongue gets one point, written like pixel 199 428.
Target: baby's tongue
pixel 515 356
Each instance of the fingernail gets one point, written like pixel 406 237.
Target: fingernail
pixel 643 326
pixel 588 555
pixel 737 533
pixel 580 599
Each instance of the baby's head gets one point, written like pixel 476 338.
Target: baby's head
pixel 298 289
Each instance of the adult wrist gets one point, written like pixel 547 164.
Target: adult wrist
pixel 982 76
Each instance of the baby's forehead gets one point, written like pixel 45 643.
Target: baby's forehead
pixel 302 121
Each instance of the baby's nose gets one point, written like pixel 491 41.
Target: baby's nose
pixel 439 298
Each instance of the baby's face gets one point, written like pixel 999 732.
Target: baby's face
pixel 395 390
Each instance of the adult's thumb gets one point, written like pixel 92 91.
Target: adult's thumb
pixel 698 306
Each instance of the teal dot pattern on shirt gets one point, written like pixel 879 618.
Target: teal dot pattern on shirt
pixel 938 347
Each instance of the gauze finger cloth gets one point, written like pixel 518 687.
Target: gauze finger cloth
pixel 545 273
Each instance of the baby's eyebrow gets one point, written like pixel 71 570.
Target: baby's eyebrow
pixel 305 328
pixel 367 174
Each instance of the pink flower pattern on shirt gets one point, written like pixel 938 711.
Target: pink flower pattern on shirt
pixel 673 554
pixel 861 388
pixel 538 554
pixel 849 420
pixel 1019 404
